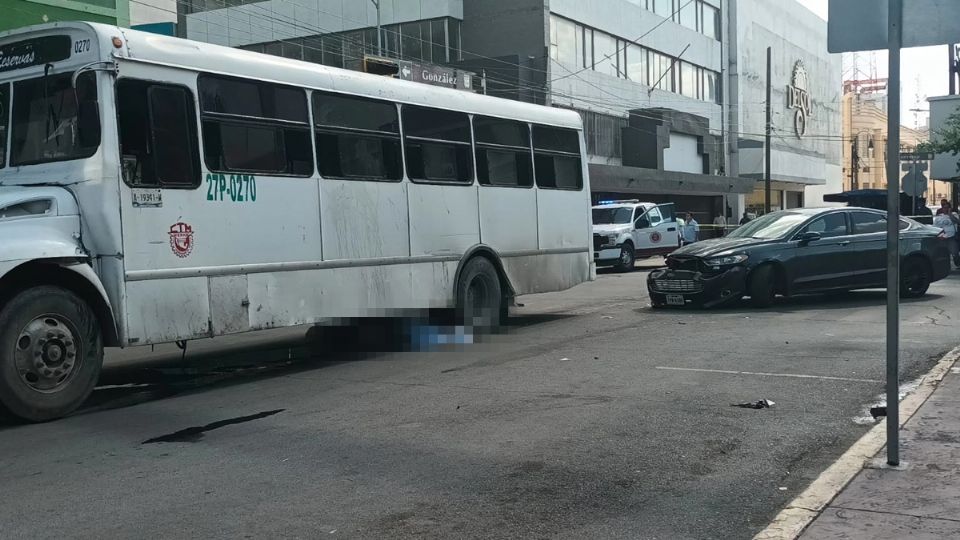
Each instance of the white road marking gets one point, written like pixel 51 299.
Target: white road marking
pixel 794 375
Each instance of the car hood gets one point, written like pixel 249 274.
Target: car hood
pixel 717 246
pixel 610 228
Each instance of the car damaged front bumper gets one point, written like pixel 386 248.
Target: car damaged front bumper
pixel 668 287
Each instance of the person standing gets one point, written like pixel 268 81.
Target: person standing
pixel 690 230
pixel 745 219
pixel 947 221
pixel 720 222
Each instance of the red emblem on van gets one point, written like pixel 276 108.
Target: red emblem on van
pixel 181 239
pixel 655 237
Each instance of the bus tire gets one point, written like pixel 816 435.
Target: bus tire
pixel 51 352
pixel 479 297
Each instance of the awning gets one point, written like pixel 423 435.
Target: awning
pixel 619 179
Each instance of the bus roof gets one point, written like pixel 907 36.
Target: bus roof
pixel 199 56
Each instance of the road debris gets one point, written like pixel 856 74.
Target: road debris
pixel 878 411
pixel 761 404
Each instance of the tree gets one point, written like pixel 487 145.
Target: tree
pixel 945 140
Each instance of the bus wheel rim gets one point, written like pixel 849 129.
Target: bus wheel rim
pixel 47 353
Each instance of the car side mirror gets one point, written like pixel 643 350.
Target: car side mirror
pixel 809 236
pixel 88 123
pixel 642 223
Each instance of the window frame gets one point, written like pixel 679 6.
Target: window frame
pixel 806 226
pixel 472 169
pixel 193 124
pixel 6 116
pixel 90 152
pixel 317 129
pixel 557 153
pixel 278 124
pixel 477 146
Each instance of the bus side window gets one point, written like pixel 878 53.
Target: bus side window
pixel 438 145
pixel 557 158
pixel 254 127
pixel 357 138
pixel 503 152
pixel 158 135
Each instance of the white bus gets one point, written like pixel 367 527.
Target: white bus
pixel 155 189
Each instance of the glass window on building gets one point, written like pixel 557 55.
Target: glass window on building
pixel 637 63
pixel 438 41
pixel 292 49
pixel 453 27
pixel 689 82
pixel 605 53
pixel 663 8
pixel 688 13
pixel 711 90
pixel 410 44
pixel 563 41
pixel 588 60
pixel 332 51
pixel 710 17
pixel 661 74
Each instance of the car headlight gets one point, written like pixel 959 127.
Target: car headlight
pixel 726 260
pixel 611 239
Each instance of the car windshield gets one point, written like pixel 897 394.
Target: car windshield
pixel 770 226
pixel 612 216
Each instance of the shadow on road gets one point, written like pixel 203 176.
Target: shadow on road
pixel 840 300
pixel 131 383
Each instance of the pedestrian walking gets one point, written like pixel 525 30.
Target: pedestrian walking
pixel 948 221
pixel 690 231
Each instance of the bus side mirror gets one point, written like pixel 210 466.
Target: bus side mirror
pixel 88 123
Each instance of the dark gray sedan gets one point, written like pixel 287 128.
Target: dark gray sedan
pixel 800 251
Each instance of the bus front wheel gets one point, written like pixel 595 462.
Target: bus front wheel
pixel 51 352
pixel 479 298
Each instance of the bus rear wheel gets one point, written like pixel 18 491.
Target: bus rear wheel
pixel 51 352
pixel 479 298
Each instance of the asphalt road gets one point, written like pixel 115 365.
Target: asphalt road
pixel 594 416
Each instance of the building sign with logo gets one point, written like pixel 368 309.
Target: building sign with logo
pixel 798 99
pixel 435 75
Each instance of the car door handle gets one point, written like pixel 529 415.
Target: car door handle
pixel 671 229
pixel 844 243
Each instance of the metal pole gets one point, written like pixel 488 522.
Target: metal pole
pixel 766 166
pixel 893 233
pixel 952 58
pixel 379 36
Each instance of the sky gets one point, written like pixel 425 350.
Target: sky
pixel 923 71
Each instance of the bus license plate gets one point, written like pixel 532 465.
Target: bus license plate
pixel 675 300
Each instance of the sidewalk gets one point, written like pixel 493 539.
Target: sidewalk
pixel 920 499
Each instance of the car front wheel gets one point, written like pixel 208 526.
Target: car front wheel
pixel 914 278
pixel 628 258
pixel 762 289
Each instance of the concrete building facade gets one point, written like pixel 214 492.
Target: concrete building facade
pixel 806 142
pixel 667 88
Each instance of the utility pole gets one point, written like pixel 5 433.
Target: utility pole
pixel 376 4
pixel 895 41
pixel 854 163
pixel 952 59
pixel 766 146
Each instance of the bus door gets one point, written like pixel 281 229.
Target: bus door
pixel 201 233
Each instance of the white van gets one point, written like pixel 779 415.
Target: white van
pixel 629 229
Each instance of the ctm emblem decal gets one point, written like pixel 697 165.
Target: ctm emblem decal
pixel 181 239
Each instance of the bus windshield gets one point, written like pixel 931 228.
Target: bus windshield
pixel 45 123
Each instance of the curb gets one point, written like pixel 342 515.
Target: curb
pixel 801 511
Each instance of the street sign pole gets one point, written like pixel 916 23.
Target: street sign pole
pixel 894 38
